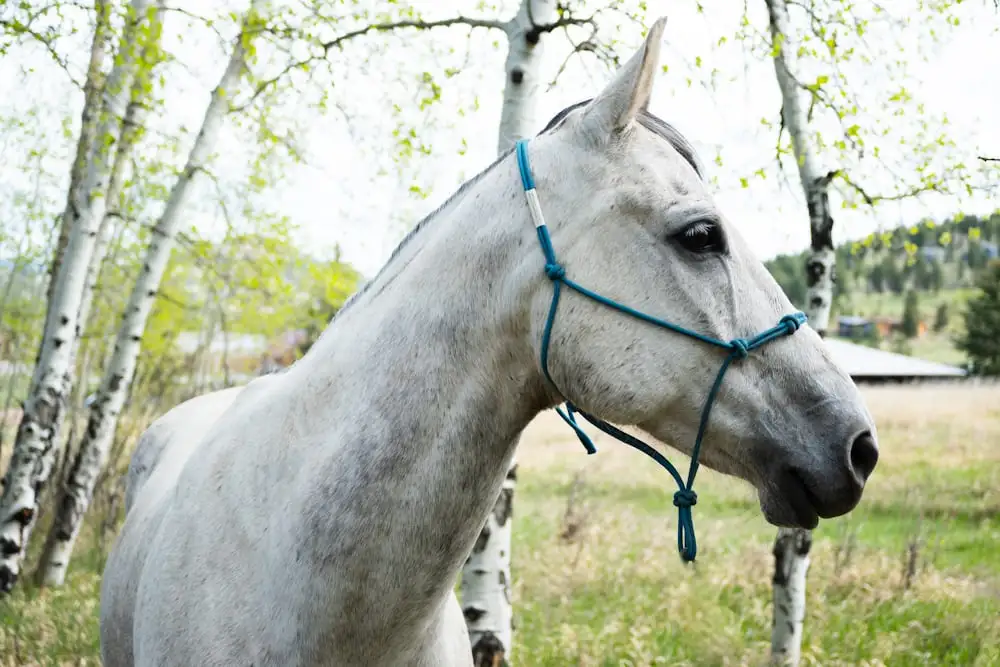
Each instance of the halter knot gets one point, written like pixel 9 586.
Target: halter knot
pixel 791 322
pixel 685 498
pixel 740 348
pixel 555 271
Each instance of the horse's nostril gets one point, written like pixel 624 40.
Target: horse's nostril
pixel 864 456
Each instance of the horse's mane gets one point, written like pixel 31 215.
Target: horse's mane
pixel 652 123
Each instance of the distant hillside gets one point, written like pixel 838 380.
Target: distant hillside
pixel 937 261
pixel 926 257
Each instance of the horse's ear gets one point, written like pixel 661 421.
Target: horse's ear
pixel 629 91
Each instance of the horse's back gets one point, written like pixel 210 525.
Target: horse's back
pixel 161 454
pixel 171 434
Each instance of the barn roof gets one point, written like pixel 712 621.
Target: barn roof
pixel 865 362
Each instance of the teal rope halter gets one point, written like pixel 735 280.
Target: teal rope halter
pixel 739 348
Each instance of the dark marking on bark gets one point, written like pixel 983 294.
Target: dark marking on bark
pixel 63 320
pixel 512 473
pixel 93 427
pixel 516 75
pixel 24 515
pixel 803 542
pixel 7 580
pixel 534 35
pixel 820 219
pixel 781 567
pixel 489 651
pixel 798 543
pixel 473 614
pixel 484 537
pixel 504 507
pixel 9 547
pixel 814 271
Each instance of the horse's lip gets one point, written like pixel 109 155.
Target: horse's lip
pixel 799 498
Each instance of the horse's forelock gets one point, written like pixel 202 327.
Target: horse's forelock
pixel 651 122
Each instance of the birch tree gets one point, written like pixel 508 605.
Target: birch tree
pixel 90 117
pixel 132 128
pixel 31 462
pixel 486 576
pixel 104 413
pixel 799 98
pixel 792 545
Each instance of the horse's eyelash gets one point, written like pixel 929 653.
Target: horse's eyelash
pixel 699 228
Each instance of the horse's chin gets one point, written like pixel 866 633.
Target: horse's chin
pixel 788 503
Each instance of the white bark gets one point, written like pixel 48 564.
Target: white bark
pixel 791 563
pixel 486 576
pixel 90 117
pixel 820 264
pixel 116 183
pixel 134 116
pixel 791 546
pixel 97 439
pixel 31 462
pixel 486 582
pixel 523 70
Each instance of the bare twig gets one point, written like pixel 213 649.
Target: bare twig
pixel 872 199
pixel 564 20
pixel 574 518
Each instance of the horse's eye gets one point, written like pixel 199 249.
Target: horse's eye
pixel 704 236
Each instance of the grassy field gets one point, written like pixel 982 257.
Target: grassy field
pixel 911 578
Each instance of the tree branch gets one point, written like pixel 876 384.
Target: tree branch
pixel 18 28
pixel 564 20
pixel 872 199
pixel 388 26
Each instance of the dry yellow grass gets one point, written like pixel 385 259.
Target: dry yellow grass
pixel 615 592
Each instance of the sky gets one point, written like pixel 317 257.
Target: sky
pixel 349 193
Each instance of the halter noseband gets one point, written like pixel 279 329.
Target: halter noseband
pixel 739 348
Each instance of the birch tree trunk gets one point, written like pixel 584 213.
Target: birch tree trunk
pixel 486 576
pixel 30 464
pixel 791 546
pixel 104 413
pixel 134 117
pixel 90 117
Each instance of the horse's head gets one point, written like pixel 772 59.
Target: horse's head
pixel 632 220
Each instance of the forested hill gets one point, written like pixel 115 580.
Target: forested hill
pixel 925 257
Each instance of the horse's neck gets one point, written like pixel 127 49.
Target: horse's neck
pixel 427 381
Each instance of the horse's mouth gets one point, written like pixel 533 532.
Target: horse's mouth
pixel 789 502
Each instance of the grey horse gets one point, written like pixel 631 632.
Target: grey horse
pixel 320 516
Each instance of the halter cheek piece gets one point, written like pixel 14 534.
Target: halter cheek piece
pixel 738 348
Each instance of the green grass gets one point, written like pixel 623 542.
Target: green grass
pixel 616 593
